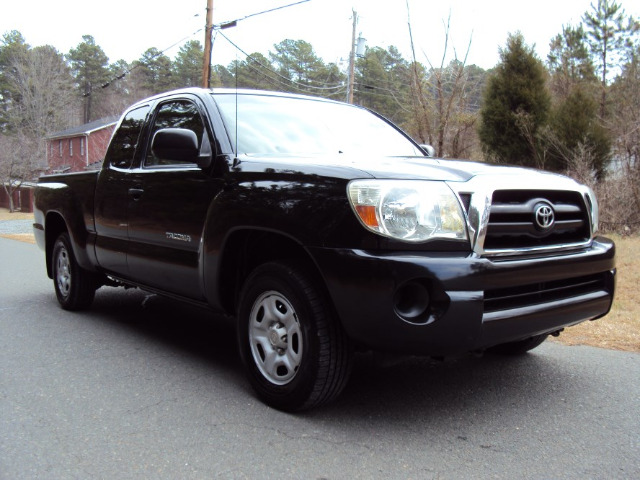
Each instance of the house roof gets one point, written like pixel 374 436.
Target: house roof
pixel 86 128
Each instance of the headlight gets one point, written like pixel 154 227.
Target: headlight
pixel 409 210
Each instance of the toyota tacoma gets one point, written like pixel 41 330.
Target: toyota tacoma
pixel 323 229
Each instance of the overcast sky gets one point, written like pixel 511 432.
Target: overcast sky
pixel 126 28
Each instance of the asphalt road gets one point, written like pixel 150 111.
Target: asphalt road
pixel 142 387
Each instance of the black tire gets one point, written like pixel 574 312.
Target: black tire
pixel 295 352
pixel 75 287
pixel 520 347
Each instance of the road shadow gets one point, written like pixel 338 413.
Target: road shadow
pixel 181 327
pixel 391 390
pixel 419 392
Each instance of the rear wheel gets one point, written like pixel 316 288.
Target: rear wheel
pixel 294 350
pixel 520 347
pixel 75 287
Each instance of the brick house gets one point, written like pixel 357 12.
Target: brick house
pixel 79 148
pixel 22 198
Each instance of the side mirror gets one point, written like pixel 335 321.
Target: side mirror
pixel 428 150
pixel 175 145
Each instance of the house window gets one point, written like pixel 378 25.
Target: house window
pixel 52 150
pixel 71 147
pixel 60 148
pixel 81 145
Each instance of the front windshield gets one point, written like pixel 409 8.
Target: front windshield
pixel 305 126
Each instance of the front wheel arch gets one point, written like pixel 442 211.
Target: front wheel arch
pixel 246 249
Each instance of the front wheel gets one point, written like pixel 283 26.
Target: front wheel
pixel 294 350
pixel 75 287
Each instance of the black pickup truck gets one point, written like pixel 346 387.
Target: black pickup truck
pixel 323 229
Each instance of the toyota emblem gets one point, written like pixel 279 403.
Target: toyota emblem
pixel 544 216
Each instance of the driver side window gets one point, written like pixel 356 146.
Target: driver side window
pixel 177 114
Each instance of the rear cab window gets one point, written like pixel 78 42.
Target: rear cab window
pixel 123 146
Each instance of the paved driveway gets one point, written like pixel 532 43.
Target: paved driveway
pixel 10 227
pixel 142 387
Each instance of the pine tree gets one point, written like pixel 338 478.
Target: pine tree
pixel 577 136
pixel 13 48
pixel 154 70
pixel 516 106
pixel 569 61
pixel 187 67
pixel 89 65
pixel 300 69
pixel 254 72
pixel 382 82
pixel 609 32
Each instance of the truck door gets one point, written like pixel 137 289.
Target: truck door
pixel 111 199
pixel 167 208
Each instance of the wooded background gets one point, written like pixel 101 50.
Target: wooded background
pixel 577 111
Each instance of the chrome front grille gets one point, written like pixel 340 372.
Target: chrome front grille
pixel 517 220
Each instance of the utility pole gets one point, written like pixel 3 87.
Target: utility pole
pixel 206 61
pixel 352 58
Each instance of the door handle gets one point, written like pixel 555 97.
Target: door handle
pixel 136 193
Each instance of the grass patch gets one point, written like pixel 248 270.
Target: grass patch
pixel 22 237
pixel 620 329
pixel 5 215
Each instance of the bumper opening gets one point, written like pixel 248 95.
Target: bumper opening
pixel 544 292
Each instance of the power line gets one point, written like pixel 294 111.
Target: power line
pixel 232 23
pixel 141 63
pixel 288 80
pixel 217 28
pixel 284 82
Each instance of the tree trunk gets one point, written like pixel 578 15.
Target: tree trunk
pixel 9 192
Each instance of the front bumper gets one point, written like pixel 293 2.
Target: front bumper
pixel 448 303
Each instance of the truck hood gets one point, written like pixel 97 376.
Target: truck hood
pixel 399 168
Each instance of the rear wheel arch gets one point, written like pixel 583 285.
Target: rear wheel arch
pixel 54 226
